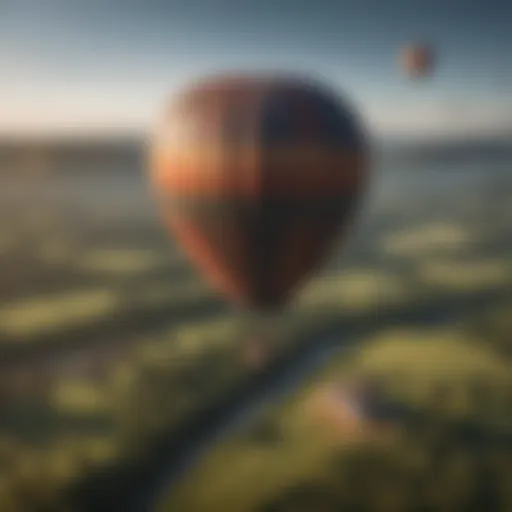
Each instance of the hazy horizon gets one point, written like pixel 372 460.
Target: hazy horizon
pixel 71 68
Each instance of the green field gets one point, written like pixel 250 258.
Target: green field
pixel 109 337
pixel 296 459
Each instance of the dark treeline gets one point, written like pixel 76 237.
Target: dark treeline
pixel 87 155
pixel 128 154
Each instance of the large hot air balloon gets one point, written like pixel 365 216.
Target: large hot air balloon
pixel 256 177
pixel 417 60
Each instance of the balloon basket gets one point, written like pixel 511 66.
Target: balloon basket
pixel 259 340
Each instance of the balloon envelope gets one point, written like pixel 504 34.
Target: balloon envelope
pixel 417 60
pixel 256 177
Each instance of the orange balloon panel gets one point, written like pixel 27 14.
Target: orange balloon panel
pixel 256 177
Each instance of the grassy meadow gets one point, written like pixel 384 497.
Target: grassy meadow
pixel 108 338
pixel 449 451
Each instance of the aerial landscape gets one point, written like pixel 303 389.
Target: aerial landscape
pixel 110 338
pixel 171 175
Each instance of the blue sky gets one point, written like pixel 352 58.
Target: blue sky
pixel 72 65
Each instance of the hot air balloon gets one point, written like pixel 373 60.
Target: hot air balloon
pixel 256 177
pixel 417 60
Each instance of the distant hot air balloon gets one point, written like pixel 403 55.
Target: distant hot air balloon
pixel 256 177
pixel 417 60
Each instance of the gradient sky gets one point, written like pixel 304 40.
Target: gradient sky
pixel 69 66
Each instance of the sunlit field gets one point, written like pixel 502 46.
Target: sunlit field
pixel 109 338
pixel 454 434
